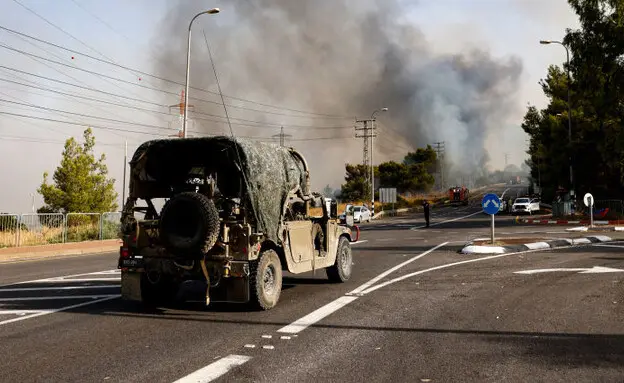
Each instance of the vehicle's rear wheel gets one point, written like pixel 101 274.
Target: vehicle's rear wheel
pixel 266 280
pixel 340 271
pixel 189 224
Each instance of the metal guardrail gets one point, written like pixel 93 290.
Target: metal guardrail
pixel 31 229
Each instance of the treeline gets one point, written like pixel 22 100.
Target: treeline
pixel 597 108
pixel 414 174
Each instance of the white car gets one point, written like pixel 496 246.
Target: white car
pixel 361 214
pixel 525 205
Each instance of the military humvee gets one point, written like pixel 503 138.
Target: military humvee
pixel 237 213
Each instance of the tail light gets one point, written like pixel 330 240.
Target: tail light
pixel 124 252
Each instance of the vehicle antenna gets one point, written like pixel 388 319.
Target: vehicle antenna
pixel 227 116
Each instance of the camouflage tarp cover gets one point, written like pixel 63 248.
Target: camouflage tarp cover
pixel 270 171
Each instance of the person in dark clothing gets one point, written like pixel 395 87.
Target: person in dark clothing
pixel 426 211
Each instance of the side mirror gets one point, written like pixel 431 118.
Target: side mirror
pixel 333 209
pixel 349 215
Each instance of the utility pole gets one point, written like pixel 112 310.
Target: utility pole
pixel 123 188
pixel 369 132
pixel 439 149
pixel 281 136
pixel 367 155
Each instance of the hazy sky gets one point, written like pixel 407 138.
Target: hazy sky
pixel 128 33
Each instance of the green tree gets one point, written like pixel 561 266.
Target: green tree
pixel 80 181
pixel 405 178
pixel 355 187
pixel 426 156
pixel 597 103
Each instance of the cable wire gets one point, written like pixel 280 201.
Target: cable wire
pixel 322 115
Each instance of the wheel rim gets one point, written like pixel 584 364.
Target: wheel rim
pixel 268 280
pixel 345 261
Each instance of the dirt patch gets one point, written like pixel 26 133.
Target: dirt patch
pixel 509 241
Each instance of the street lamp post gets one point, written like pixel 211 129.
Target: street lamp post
pixel 188 66
pixel 546 42
pixel 373 165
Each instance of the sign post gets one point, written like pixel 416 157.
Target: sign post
pixel 491 205
pixel 588 200
pixel 388 195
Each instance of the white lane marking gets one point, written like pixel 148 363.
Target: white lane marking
pixel 58 310
pixel 62 277
pixel 268 347
pixel 447 221
pixel 267 336
pixel 316 315
pixel 358 242
pixel 581 241
pixel 395 280
pixel 59 288
pixel 58 297
pixel 21 312
pixel 215 370
pixel 415 238
pixel 385 239
pixel 393 269
pixel 250 346
pixel 76 280
pixel 284 337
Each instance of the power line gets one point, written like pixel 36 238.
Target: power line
pixel 77 123
pixel 158 135
pixel 67 33
pixel 62 73
pixel 85 115
pixel 324 116
pixel 262 124
pixel 144 86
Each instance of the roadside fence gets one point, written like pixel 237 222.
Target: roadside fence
pixel 31 229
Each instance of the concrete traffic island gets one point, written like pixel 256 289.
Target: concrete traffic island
pixel 514 245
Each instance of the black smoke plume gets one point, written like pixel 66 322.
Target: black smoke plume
pixel 346 58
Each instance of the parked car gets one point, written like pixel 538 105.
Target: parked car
pixel 525 205
pixel 361 214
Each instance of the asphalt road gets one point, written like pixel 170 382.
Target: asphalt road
pixel 448 317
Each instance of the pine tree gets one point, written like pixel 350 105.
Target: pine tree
pixel 80 181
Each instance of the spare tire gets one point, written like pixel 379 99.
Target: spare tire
pixel 189 224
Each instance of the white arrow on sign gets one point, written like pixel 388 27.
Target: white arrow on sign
pixel 487 203
pixel 591 270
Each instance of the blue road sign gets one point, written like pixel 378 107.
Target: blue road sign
pixel 491 204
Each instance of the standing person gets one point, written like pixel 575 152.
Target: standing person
pixel 426 211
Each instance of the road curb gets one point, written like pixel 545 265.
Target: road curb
pixel 542 221
pixel 30 253
pixel 541 245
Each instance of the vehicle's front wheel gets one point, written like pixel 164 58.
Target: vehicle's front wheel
pixel 340 271
pixel 266 280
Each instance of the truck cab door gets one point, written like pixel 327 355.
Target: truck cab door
pixel 300 242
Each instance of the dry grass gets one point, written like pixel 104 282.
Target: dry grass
pixel 50 235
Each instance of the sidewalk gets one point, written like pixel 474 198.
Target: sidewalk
pixel 27 253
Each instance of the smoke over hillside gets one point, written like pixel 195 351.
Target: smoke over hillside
pixel 345 58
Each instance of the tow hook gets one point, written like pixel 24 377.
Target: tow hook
pixel 226 270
